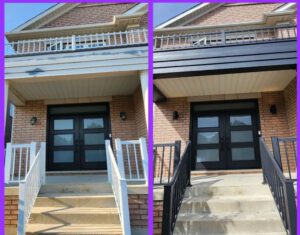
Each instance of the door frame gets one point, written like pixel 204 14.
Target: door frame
pixel 103 113
pixel 255 111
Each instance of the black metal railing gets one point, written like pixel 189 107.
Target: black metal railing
pixel 224 37
pixel 281 187
pixel 165 161
pixel 175 190
pixel 284 150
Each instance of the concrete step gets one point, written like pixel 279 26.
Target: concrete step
pixel 93 188
pixel 224 172
pixel 206 189
pixel 76 200
pixel 77 215
pixel 228 223
pixel 233 204
pixel 78 229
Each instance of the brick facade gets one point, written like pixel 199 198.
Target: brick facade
pixel 157 216
pixel 87 13
pixel 138 209
pixel 11 211
pixel 235 13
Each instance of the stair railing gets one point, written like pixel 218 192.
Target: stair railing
pixel 119 186
pixel 281 188
pixel 175 190
pixel 18 160
pixel 134 155
pixel 30 187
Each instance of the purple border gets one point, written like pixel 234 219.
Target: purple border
pixel 298 118
pixel 150 119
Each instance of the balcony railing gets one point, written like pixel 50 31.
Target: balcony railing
pixel 77 43
pixel 223 37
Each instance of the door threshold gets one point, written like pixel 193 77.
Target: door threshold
pixel 224 172
pixel 87 172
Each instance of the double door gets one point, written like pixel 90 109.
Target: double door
pixel 77 142
pixel 226 140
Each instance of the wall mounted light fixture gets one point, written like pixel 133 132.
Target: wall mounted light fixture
pixel 123 116
pixel 175 115
pixel 273 109
pixel 33 120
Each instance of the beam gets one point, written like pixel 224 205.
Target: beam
pixel 144 86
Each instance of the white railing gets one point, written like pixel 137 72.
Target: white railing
pixel 132 156
pixel 18 161
pixel 77 42
pixel 119 186
pixel 30 187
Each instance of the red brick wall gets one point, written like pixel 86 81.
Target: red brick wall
pixel 87 13
pixel 23 131
pixel 138 209
pixel 167 130
pixel 236 13
pixel 290 99
pixel 11 213
pixel 140 113
pixel 158 216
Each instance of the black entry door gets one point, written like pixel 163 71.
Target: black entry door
pixel 225 140
pixel 77 142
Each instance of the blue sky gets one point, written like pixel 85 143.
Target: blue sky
pixel 18 13
pixel 166 11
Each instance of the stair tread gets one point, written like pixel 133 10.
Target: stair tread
pixel 237 216
pixel 229 233
pixel 75 228
pixel 234 198
pixel 76 195
pixel 74 210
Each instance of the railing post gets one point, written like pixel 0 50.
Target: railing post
pixel 32 153
pixel 290 204
pixel 167 210
pixel 43 163
pixel 223 37
pixel 262 156
pixel 21 210
pixel 119 152
pixel 124 207
pixel 276 151
pixel 8 162
pixel 177 153
pixel 189 163
pixel 108 160
pixel 144 155
pixel 73 42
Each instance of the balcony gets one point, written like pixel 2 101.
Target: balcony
pixel 261 49
pixel 77 43
pixel 224 38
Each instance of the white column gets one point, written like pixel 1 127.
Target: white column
pixel 6 91
pixel 144 86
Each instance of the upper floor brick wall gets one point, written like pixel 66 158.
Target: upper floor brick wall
pixel 87 13
pixel 235 13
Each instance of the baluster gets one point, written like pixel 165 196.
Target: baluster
pixel 139 36
pixel 162 163
pixel 20 163
pixel 129 163
pixel 136 162
pixel 26 162
pixel 170 160
pixel 115 39
pixel 121 39
pixel 14 163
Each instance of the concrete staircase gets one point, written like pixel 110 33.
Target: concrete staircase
pixel 230 204
pixel 67 205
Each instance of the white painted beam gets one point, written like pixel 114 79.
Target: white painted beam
pixel 144 86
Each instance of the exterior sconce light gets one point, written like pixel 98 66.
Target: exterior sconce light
pixel 175 115
pixel 273 109
pixel 33 120
pixel 123 116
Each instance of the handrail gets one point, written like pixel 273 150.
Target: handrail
pixel 165 161
pixel 30 187
pixel 136 158
pixel 119 186
pixel 18 160
pixel 175 190
pixel 77 42
pixel 282 188
pixel 224 37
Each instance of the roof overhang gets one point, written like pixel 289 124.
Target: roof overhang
pixel 119 23
pixel 269 19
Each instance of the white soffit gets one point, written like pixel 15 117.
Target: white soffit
pixel 222 84
pixel 110 84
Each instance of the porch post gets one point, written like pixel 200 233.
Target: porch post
pixel 144 86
